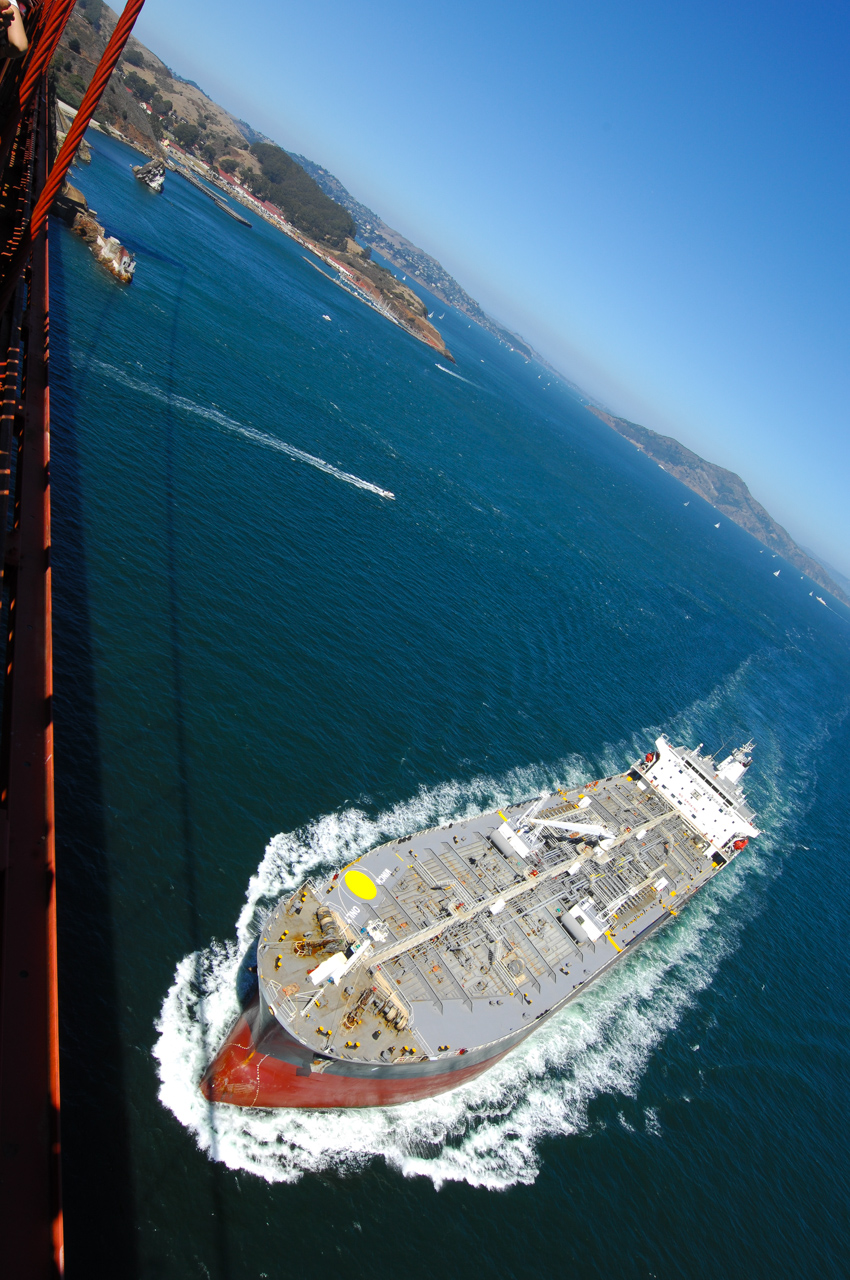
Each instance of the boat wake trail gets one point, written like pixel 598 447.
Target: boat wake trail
pixel 487 1133
pixel 211 414
pixel 271 442
pixel 459 376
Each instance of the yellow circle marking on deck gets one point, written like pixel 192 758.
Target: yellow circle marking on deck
pixel 361 885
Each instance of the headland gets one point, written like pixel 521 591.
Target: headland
pixel 724 490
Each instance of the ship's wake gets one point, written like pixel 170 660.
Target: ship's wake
pixel 210 413
pixel 488 1133
pixel 459 376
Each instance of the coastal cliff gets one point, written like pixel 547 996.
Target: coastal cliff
pixel 72 206
pixel 172 120
pixel 374 282
pixel 724 490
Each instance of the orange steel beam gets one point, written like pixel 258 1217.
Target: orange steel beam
pixel 31 1229
pixel 50 188
pixel 31 1219
pixel 44 31
pixel 31 1226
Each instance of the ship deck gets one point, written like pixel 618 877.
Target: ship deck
pixel 464 943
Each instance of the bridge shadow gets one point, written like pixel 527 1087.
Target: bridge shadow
pixel 100 1192
pixel 100 1228
pixel 215 1171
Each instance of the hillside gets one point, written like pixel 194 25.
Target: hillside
pixel 146 102
pixel 80 48
pixel 419 265
pixel 149 104
pixel 306 206
pixel 836 574
pixel 144 98
pixel 724 490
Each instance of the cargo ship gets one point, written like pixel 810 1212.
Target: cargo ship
pixel 421 964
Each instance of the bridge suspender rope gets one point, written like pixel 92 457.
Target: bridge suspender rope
pixel 31 1221
pixel 50 21
pixel 88 106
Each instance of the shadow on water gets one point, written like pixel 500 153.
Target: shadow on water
pixel 101 1220
pixel 99 1211
pixel 187 833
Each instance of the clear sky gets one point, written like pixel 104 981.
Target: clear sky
pixel 654 194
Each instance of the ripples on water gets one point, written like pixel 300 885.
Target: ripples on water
pixel 210 414
pixel 252 638
pixel 488 1133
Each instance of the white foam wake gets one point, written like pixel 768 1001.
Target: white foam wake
pixel 487 1133
pixel 211 414
pixel 452 374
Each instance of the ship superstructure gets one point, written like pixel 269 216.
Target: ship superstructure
pixel 425 961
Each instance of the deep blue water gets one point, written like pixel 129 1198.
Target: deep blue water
pixel 263 665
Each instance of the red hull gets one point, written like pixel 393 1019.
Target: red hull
pixel 247 1077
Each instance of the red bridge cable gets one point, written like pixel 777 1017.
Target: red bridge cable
pixel 56 177
pixel 44 36
pixel 51 22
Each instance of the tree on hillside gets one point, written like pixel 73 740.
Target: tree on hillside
pixel 140 87
pixel 186 134
pixel 286 184
pixel 93 12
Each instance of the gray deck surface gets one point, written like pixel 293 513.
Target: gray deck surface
pixel 466 942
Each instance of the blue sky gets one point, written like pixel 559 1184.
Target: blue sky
pixel 654 194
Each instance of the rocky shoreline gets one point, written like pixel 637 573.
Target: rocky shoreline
pixel 401 305
pixel 151 174
pixel 72 206
pixel 352 268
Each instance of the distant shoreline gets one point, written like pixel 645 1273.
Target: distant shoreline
pixel 726 492
pixel 190 168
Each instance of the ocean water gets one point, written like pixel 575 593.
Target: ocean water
pixel 315 586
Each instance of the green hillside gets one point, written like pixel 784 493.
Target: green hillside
pixel 285 184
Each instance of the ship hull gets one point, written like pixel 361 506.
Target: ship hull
pixel 473 934
pixel 260 1066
